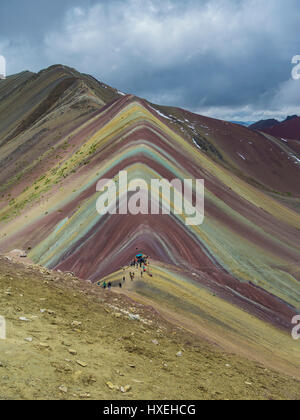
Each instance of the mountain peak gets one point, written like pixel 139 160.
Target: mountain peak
pixel 61 132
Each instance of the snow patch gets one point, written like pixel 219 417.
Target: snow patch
pixel 161 114
pixel 196 144
pixel 243 157
pixel 294 158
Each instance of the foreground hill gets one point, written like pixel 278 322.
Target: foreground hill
pixel 79 342
pixel 61 132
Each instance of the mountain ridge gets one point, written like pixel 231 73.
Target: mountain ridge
pixel 287 128
pixel 245 254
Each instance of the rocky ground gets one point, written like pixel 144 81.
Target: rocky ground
pixel 68 339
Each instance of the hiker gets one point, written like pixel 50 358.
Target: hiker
pixel 104 285
pixel 109 285
pixel 120 285
pixel 124 279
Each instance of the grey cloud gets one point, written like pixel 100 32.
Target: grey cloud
pixel 230 58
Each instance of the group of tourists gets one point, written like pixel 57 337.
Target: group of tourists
pixel 105 285
pixel 140 261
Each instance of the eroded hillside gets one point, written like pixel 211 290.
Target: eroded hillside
pixel 61 132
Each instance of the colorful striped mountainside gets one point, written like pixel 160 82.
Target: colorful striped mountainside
pixel 233 280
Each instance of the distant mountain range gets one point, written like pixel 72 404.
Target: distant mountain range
pixel 264 124
pixel 287 129
pixel 244 123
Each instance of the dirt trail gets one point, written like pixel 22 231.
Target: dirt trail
pixel 250 337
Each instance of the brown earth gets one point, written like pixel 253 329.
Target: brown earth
pixel 84 343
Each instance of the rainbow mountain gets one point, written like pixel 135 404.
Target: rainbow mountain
pixel 234 280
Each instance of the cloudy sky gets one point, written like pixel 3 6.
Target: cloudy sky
pixel 230 59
